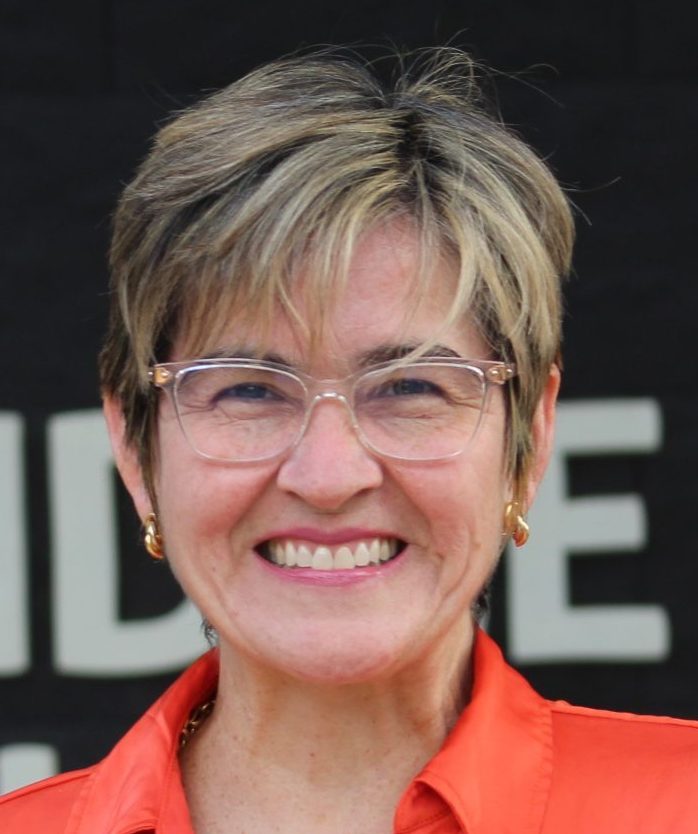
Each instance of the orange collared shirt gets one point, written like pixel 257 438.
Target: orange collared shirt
pixel 514 763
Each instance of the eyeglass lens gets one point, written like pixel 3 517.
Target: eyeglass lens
pixel 246 413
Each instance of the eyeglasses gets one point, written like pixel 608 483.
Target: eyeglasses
pixel 242 411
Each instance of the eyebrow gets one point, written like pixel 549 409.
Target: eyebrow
pixel 374 356
pixel 393 353
pixel 246 353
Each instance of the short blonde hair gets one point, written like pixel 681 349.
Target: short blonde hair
pixel 289 166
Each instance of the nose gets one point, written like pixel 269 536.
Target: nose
pixel 329 465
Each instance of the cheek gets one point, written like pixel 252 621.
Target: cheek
pixel 207 527
pixel 462 505
pixel 467 495
pixel 200 501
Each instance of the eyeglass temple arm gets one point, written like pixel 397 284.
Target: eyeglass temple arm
pixel 159 376
pixel 500 373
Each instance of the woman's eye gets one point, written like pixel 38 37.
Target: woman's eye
pixel 247 391
pixel 410 387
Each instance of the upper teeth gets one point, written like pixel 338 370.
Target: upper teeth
pixel 345 557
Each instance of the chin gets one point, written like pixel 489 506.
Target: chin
pixel 339 662
pixel 341 669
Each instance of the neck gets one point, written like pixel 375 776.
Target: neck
pixel 280 742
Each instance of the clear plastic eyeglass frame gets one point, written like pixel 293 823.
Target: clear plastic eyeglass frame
pixel 169 376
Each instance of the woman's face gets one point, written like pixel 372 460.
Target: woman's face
pixel 354 624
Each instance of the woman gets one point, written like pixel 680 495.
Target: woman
pixel 329 383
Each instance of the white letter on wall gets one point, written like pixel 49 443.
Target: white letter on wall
pixel 14 602
pixel 21 764
pixel 542 625
pixel 89 639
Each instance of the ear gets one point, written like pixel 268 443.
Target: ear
pixel 543 434
pixel 126 456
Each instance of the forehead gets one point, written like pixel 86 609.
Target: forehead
pixel 389 296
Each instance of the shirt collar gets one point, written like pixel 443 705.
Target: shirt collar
pixel 494 769
pixel 492 774
pixel 127 789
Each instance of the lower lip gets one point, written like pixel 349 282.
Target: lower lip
pixel 332 578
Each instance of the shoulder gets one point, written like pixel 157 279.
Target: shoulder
pixel 123 792
pixel 645 737
pixel 44 807
pixel 640 769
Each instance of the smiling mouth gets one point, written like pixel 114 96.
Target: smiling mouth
pixel 363 553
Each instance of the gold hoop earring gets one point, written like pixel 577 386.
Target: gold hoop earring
pixel 152 537
pixel 515 524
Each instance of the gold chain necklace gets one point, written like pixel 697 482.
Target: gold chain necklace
pixel 196 718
